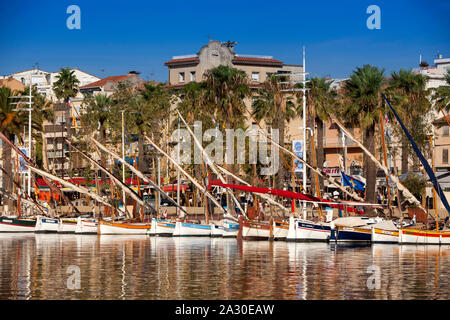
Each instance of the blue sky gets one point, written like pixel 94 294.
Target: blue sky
pixel 118 36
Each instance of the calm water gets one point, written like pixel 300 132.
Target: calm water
pixel 35 266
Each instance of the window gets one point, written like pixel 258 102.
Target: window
pixel 255 76
pixel 445 131
pixel 22 80
pixel 192 73
pixel 445 156
pixel 181 77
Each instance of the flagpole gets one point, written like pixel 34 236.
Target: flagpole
pixel 123 164
pixel 388 190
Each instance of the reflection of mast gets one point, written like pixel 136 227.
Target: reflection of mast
pixel 123 272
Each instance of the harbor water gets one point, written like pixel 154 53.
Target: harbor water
pixel 68 266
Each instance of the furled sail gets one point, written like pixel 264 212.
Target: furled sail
pixel 422 159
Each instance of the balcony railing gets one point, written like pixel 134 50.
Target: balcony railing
pixel 337 142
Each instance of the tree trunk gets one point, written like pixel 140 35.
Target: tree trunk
pixel 319 147
pixel 370 169
pixel 280 176
pixel 7 165
pixel 141 160
pixel 405 155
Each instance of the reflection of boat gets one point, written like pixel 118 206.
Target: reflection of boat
pixel 44 224
pixel 67 225
pixel 110 227
pixel 255 230
pixel 414 236
pixel 161 227
pixel 304 230
pixel 186 229
pixel 280 230
pixel 86 226
pixel 8 224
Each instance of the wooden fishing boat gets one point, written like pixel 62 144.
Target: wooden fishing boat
pixel 280 230
pixel 187 229
pixel 8 224
pixel 256 230
pixel 230 229
pixel 86 226
pixel 216 230
pixel 114 227
pixel 67 225
pixel 357 234
pixel 414 236
pixel 161 228
pixel 384 236
pixel 44 224
pixel 304 230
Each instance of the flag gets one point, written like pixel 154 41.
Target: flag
pixel 352 182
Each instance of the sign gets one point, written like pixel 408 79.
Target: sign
pixel 332 171
pixel 297 147
pixel 22 166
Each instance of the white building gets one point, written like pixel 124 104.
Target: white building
pixel 44 80
pixel 436 73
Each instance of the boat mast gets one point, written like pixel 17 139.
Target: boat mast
pixel 434 191
pixel 388 190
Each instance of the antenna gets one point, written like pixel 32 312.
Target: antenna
pixel 229 44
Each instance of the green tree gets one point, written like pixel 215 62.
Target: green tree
pixel 442 93
pixel 320 102
pixel 362 98
pixel 408 90
pixel 226 91
pixel 276 108
pixel 11 125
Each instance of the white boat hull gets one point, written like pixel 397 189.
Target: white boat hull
pixel 255 231
pixel 384 236
pixel 230 229
pixel 86 226
pixel 16 225
pixel 183 229
pixel 423 237
pixel 162 228
pixel 280 230
pixel 44 224
pixel 303 230
pixel 216 230
pixel 125 228
pixel 67 225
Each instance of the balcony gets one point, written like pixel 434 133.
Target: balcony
pixel 336 142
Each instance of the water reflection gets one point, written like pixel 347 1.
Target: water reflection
pixel 34 266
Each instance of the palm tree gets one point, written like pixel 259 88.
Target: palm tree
pixel 408 90
pixel 11 125
pixel 98 112
pixel 274 108
pixel 442 93
pixel 320 101
pixel 66 87
pixel 362 99
pixel 226 89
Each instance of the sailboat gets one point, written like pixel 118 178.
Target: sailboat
pixel 16 224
